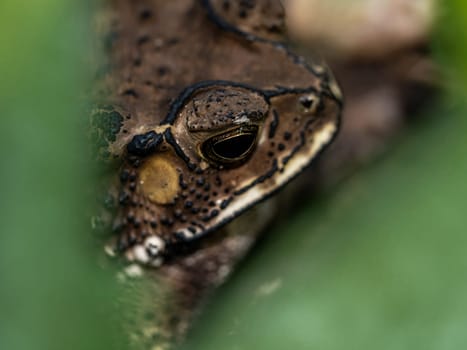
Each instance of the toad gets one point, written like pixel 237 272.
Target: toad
pixel 202 113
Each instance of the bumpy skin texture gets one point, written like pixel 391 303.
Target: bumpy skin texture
pixel 205 114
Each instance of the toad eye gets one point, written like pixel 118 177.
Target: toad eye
pixel 231 148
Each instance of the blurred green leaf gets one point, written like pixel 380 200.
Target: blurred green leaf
pixel 449 44
pixel 52 295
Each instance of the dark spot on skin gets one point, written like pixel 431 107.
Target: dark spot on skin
pixel 124 198
pixel 117 227
pixel 130 92
pixel 188 204
pixel 145 14
pixel 137 62
pixel 167 222
pixel 200 181
pixel 172 41
pixel 281 147
pixel 132 238
pixel 130 218
pixel 162 70
pixel 143 39
pixel 153 224
pixel 212 214
pixel 275 28
pixel 242 14
pixel 182 183
pixel 122 244
pixel 247 4
pixel 287 136
pixel 124 176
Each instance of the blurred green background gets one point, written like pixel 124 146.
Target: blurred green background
pixel 378 263
pixel 52 295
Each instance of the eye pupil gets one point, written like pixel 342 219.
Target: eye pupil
pixel 234 147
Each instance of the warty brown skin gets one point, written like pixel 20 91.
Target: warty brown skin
pixel 204 114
